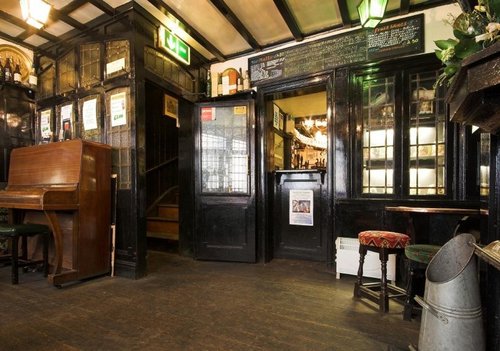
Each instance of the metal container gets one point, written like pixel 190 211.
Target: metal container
pixel 452 316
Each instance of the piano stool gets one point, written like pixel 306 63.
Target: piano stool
pixel 385 243
pixel 23 231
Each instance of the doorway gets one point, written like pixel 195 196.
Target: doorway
pixel 162 169
pixel 297 163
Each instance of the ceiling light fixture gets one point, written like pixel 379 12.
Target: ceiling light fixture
pixel 35 12
pixel 371 12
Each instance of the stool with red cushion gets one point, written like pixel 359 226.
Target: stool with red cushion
pixel 385 243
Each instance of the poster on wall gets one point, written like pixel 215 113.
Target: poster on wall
pixel 89 112
pixel 66 125
pixel 45 131
pixel 276 117
pixel 301 207
pixel 118 110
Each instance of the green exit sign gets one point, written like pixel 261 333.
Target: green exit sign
pixel 175 46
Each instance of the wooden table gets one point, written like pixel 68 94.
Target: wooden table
pixel 409 210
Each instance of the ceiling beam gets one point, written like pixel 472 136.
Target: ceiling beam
pixel 160 5
pixel 104 7
pixel 290 21
pixel 236 23
pixel 344 13
pixel 28 30
pixel 404 9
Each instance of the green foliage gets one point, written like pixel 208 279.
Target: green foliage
pixel 473 31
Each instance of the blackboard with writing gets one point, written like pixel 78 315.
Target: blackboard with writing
pixel 395 38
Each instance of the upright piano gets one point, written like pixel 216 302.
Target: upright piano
pixel 69 183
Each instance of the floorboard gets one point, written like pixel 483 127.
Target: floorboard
pixel 184 304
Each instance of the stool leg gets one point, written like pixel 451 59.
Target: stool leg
pixel 15 258
pixel 408 309
pixel 359 281
pixel 384 296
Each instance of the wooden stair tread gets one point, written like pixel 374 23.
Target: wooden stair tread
pixel 162 235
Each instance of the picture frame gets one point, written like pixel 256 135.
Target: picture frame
pixel 170 106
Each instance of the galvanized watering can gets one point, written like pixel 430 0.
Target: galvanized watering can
pixel 452 316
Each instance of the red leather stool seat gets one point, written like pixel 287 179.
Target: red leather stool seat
pixel 382 238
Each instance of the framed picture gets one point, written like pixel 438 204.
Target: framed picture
pixel 170 106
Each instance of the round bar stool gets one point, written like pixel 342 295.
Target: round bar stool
pixel 385 243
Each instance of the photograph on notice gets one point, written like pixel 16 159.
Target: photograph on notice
pixel 301 207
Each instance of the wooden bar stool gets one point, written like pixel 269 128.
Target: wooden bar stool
pixel 15 231
pixel 385 243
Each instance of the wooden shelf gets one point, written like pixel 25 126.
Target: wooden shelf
pixel 473 95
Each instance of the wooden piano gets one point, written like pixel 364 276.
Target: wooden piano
pixel 69 183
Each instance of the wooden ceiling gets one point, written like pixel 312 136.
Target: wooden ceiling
pixel 217 29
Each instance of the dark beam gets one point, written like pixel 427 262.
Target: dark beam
pixel 287 15
pixel 28 30
pixel 344 13
pixel 25 45
pixel 72 6
pixel 190 30
pixel 56 15
pixel 404 9
pixel 104 7
pixel 237 24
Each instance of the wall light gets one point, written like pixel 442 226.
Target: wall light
pixel 371 12
pixel 35 12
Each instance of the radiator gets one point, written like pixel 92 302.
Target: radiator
pixel 347 260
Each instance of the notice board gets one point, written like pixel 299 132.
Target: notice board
pixel 390 39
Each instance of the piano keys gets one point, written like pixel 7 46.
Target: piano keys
pixel 69 182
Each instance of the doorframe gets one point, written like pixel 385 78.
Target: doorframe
pixel 265 244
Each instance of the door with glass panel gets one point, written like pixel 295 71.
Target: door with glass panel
pixel 225 184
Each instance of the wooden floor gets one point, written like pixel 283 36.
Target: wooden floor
pixel 185 304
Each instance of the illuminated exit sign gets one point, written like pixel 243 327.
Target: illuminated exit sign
pixel 175 46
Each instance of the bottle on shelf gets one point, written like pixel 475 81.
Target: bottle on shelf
pixel 33 78
pixel 208 91
pixel 246 81
pixel 17 74
pixel 7 69
pixel 219 84
pixel 1 70
pixel 239 86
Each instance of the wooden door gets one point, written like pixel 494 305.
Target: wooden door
pixel 225 181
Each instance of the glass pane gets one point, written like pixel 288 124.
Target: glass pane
pixel 224 149
pixel 427 147
pixel 484 164
pixel 378 135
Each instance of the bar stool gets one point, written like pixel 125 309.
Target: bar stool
pixel 385 243
pixel 15 231
pixel 419 256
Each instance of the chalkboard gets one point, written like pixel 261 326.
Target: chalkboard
pixel 395 38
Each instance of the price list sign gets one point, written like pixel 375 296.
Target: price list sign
pixel 391 39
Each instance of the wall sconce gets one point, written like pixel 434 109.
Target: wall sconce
pixel 371 12
pixel 35 12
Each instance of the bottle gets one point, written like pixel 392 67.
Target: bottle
pixel 219 84
pixel 1 70
pixel 208 91
pixel 8 71
pixel 33 78
pixel 17 74
pixel 246 81
pixel 239 83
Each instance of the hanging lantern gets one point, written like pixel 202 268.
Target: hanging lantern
pixel 371 12
pixel 35 12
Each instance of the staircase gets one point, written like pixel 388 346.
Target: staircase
pixel 165 223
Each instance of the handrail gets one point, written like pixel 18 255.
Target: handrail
pixel 163 164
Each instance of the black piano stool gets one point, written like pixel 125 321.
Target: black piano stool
pixel 16 231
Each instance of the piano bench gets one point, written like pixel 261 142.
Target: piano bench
pixel 23 231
